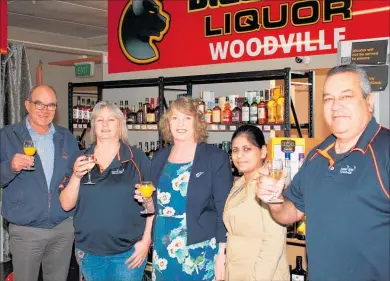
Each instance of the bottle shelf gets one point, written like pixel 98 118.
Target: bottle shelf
pixel 232 128
pixel 210 127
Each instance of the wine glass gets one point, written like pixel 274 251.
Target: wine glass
pixel 275 168
pixel 146 189
pixel 91 163
pixel 30 150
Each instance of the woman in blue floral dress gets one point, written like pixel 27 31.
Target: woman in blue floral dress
pixel 192 180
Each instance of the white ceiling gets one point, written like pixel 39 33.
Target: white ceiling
pixel 80 19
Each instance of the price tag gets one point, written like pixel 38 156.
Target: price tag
pixel 214 127
pixel 143 127
pixel 260 127
pixel 267 128
pixel 154 127
pixel 288 145
pixel 80 126
pixel 129 126
pixel 233 128
pixel 277 128
pixel 222 127
pixel 149 127
pixel 137 127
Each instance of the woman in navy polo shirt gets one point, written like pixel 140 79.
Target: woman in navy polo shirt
pixel 112 238
pixel 193 180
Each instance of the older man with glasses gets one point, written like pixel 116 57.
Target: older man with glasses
pixel 41 232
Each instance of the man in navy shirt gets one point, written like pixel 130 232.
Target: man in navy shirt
pixel 342 187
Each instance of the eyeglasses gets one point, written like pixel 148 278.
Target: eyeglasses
pixel 40 106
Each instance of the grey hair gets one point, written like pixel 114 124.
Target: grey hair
pixel 32 90
pixel 365 85
pixel 118 114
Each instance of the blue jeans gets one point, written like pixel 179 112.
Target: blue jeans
pixel 105 268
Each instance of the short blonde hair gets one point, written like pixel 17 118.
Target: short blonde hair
pixel 189 107
pixel 118 114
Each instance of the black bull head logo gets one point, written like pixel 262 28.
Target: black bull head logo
pixel 142 23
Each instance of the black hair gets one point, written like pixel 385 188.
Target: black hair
pixel 254 134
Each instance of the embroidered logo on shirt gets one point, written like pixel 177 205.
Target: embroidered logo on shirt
pixel 199 174
pixel 347 170
pixel 117 171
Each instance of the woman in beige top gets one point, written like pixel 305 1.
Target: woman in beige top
pixel 256 244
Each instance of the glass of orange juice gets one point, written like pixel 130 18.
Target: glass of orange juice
pixel 30 150
pixel 146 188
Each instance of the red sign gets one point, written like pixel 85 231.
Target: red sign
pixel 3 26
pixel 150 34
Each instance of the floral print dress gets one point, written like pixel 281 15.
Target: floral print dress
pixel 172 259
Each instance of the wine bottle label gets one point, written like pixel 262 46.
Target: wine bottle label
pixel 253 114
pixel 216 116
pixel 150 118
pixel 295 277
pixel 86 114
pixel 245 114
pixel 75 113
pixel 235 117
pixel 261 113
pixel 207 118
pixel 81 114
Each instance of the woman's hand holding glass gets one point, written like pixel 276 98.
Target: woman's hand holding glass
pixel 271 183
pixel 82 166
pixel 143 194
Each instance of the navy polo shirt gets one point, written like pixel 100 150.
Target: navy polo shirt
pixel 107 218
pixel 347 207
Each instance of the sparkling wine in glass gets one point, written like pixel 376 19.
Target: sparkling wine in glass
pixel 275 168
pixel 29 149
pixel 91 163
pixel 146 189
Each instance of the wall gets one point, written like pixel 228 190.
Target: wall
pixel 58 77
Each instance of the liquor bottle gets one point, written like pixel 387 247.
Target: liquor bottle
pixel 158 146
pixel 151 116
pixel 267 96
pixel 84 114
pixel 236 114
pixel 271 110
pixel 145 108
pixel 262 110
pixel 88 112
pixel 157 110
pixel 279 106
pixel 201 104
pixel 208 116
pixel 140 114
pixel 298 273
pixel 216 113
pixel 227 113
pixel 121 105
pixel 126 109
pixel 132 116
pixel 76 109
pixel 146 149
pixel 245 111
pixel 140 145
pixel 152 150
pixel 253 112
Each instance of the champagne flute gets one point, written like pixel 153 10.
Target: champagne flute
pixel 29 149
pixel 275 168
pixel 91 163
pixel 146 189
